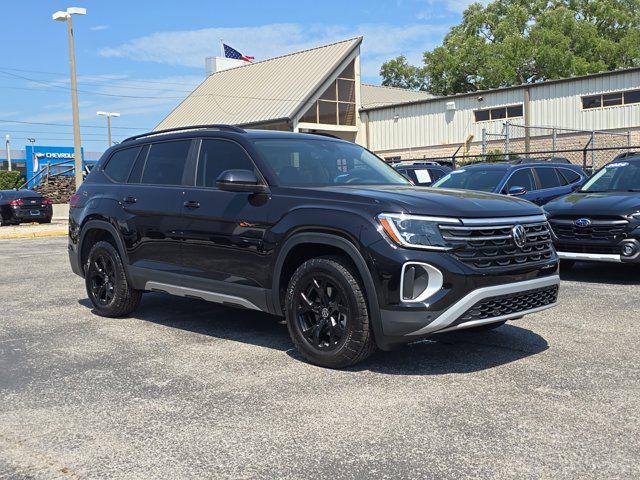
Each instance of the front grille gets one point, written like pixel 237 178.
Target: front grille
pixel 586 248
pixel 492 246
pixel 512 303
pixel 599 230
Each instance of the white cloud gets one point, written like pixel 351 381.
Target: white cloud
pixel 189 47
pixel 97 28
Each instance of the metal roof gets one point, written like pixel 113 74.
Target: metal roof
pixel 380 96
pixel 273 89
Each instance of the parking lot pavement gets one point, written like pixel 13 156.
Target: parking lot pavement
pixel 188 389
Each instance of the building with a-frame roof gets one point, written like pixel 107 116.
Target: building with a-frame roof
pixel 319 90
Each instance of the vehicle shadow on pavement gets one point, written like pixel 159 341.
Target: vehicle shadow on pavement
pixel 206 318
pixel 610 273
pixel 460 352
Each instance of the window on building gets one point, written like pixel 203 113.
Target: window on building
pixel 217 156
pixel 498 113
pixel 613 99
pixel 165 163
pixel 119 165
pixel 337 104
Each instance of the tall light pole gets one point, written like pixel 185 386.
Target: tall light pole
pixel 108 115
pixel 34 160
pixel 77 146
pixel 8 146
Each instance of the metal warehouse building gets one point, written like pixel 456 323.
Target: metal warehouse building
pixel 319 90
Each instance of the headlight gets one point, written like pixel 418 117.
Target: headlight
pixel 415 231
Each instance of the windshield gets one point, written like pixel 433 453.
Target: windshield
pixel 615 177
pixel 320 162
pixel 484 180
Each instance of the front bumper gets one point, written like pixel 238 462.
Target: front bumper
pixel 449 319
pixel 632 254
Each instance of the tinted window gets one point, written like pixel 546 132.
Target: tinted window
pixel 165 163
pixel 592 102
pixel 522 178
pixel 120 164
pixel 216 156
pixel 485 180
pixel 482 115
pixel 620 176
pixel 436 173
pixel 325 162
pixel 136 171
pixel 569 175
pixel 515 111
pixel 632 96
pixel 548 177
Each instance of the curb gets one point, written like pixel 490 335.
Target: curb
pixel 52 233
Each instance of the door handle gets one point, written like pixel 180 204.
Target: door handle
pixel 192 204
pixel 129 200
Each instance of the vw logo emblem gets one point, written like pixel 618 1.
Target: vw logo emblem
pixel 519 235
pixel 583 222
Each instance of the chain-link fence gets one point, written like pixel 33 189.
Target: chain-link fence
pixel 589 158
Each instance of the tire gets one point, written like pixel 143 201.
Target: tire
pixel 106 282
pixel 485 328
pixel 566 264
pixel 330 329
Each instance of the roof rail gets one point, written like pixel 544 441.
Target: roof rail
pixel 216 126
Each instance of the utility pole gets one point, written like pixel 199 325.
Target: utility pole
pixel 8 146
pixel 108 115
pixel 77 144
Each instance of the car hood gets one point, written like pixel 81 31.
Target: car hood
pixel 594 204
pixel 435 201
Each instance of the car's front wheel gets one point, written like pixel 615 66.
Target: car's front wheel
pixel 106 282
pixel 327 313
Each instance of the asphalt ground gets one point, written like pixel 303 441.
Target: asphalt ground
pixel 188 389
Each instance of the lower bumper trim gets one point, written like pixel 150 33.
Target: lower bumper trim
pixel 448 317
pixel 485 321
pixel 590 257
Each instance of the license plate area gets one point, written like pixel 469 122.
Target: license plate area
pixel 34 213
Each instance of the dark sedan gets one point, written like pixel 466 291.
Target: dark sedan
pixel 538 183
pixel 23 206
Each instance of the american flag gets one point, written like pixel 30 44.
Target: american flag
pixel 233 53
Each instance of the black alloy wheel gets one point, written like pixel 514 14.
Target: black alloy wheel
pixel 322 313
pixel 102 279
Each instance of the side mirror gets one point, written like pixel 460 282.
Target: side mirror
pixel 240 181
pixel 516 191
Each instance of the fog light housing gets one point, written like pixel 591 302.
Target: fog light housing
pixel 419 281
pixel 629 250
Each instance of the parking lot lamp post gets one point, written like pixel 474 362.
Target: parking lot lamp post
pixel 61 16
pixel 8 146
pixel 108 115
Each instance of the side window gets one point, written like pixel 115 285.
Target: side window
pixel 166 162
pixel 120 163
pixel 216 156
pixel 136 171
pixel 548 177
pixel 522 178
pixel 436 174
pixel 569 175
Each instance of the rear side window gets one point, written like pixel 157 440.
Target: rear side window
pixel 548 177
pixel 166 162
pixel 436 174
pixel 216 156
pixel 569 175
pixel 120 163
pixel 522 178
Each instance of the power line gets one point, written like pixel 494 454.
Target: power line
pixel 102 127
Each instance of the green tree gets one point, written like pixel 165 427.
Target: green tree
pixel 9 179
pixel 510 42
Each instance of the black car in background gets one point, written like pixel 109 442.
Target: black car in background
pixel 536 182
pixel 315 229
pixel 601 221
pixel 23 206
pixel 422 173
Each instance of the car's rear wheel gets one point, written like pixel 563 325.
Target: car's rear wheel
pixel 327 313
pixel 106 282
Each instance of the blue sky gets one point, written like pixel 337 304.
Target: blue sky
pixel 140 58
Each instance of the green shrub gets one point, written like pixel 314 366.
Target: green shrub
pixel 9 179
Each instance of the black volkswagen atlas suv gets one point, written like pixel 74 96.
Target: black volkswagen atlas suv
pixel 315 229
pixel 601 221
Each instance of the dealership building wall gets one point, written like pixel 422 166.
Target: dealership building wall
pixel 436 127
